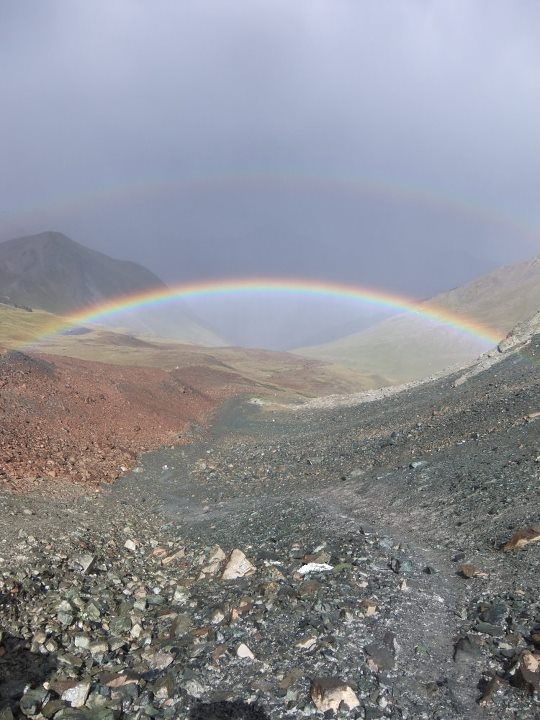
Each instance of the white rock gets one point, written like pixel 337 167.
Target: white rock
pixel 368 607
pixel 238 566
pixel 136 631
pixel 244 652
pixel 40 637
pixel 181 595
pixel 130 545
pixel 82 641
pixel 100 647
pixel 85 561
pixel 77 695
pixel 315 567
pixel 217 616
pixel 329 693
pixel 194 688
pixel 158 660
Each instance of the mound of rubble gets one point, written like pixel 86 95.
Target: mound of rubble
pixel 86 421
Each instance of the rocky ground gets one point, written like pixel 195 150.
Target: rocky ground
pixel 371 561
pixel 87 421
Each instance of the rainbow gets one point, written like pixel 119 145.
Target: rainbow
pixel 279 286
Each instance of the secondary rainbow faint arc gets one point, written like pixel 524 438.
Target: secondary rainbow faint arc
pixel 289 181
pixel 156 297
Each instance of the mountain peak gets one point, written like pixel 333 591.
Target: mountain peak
pixel 47 238
pixel 51 271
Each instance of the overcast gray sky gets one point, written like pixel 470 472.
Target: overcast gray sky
pixel 389 143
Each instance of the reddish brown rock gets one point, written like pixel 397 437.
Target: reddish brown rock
pixel 468 570
pixel 527 675
pixel 522 538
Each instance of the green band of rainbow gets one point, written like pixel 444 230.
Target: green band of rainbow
pixel 281 286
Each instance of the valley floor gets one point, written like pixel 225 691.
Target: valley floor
pixel 353 526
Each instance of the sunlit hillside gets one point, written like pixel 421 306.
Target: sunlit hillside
pixel 404 348
pixel 273 372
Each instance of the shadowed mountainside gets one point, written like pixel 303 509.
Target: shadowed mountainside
pixel 51 272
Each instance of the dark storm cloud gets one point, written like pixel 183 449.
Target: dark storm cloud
pixel 111 107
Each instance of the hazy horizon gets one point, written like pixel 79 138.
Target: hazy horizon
pixel 380 144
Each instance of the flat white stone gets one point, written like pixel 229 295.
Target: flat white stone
pixel 315 567
pixel 238 566
pixel 244 652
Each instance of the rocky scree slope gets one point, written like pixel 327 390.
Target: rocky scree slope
pixel 88 422
pixel 346 561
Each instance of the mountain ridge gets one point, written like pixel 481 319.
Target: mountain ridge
pixel 50 271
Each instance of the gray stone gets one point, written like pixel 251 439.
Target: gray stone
pixel 381 655
pixel 466 649
pixel 32 700
pixel 489 629
pixel 496 613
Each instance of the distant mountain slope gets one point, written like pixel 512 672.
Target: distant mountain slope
pixel 51 272
pixel 265 371
pixel 501 299
pixel 407 348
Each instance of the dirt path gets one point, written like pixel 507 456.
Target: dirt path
pixel 428 617
pixel 349 470
pixel 423 617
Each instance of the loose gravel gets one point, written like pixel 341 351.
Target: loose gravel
pixel 341 561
